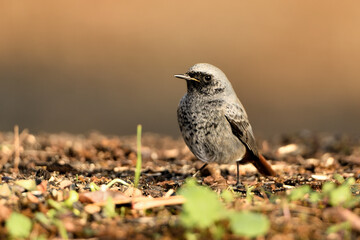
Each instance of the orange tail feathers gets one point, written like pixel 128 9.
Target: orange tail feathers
pixel 263 166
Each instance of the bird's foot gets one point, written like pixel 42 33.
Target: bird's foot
pixel 195 174
pixel 198 171
pixel 238 186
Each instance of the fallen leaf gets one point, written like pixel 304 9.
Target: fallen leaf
pixel 65 183
pixel 5 212
pixel 32 198
pixel 42 187
pixel 92 208
pixel 29 185
pixel 100 197
pixel 5 190
pixel 146 203
pixel 165 183
pixel 133 192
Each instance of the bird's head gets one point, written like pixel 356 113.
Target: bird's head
pixel 206 79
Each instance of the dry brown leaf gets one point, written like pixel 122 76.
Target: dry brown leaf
pixel 141 204
pixel 100 197
pixel 32 198
pixel 133 192
pixel 5 213
pixel 65 183
pixel 42 187
pixel 92 208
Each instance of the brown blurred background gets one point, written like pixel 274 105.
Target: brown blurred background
pixel 108 65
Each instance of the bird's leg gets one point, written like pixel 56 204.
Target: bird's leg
pixel 237 173
pixel 197 172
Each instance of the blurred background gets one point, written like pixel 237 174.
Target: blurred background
pixel 77 66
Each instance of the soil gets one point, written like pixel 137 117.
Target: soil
pixel 60 163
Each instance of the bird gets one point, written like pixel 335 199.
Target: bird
pixel 213 122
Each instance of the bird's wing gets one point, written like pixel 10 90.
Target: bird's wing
pixel 240 126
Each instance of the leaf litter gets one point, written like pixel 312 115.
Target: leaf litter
pixel 82 186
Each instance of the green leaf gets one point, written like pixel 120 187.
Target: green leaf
pixel 29 185
pixel 338 227
pixel 352 202
pixel 249 194
pixel 42 218
pixel 328 187
pixel 299 193
pixel 350 181
pixel 73 197
pixel 227 196
pixel 18 225
pixel 61 227
pixel 315 197
pixel 339 178
pixel 249 224
pixel 190 236
pixel 340 195
pixel 109 208
pixel 217 232
pixel 202 207
pixel 40 237
pixel 51 213
pixel 93 187
pixel 54 204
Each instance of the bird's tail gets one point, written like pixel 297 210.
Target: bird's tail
pixel 263 166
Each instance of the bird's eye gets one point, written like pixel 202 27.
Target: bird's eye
pixel 207 77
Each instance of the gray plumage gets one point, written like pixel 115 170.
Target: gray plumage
pixel 212 120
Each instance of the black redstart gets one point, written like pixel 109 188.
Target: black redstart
pixel 213 122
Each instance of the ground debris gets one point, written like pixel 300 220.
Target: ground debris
pixel 62 184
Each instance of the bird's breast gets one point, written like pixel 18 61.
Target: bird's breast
pixel 206 131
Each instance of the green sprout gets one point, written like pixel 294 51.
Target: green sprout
pixel 138 162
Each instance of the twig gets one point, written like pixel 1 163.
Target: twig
pixel 286 211
pixel 158 202
pixel 16 148
pixel 141 203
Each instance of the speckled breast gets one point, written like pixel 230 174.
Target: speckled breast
pixel 206 131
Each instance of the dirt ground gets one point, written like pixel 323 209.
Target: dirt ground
pixel 61 164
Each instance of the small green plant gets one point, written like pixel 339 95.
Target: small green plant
pixel 249 224
pixel 138 162
pixel 109 208
pixel 335 195
pixel 202 207
pixel 249 194
pixel 299 193
pixel 51 218
pixel 204 211
pixel 344 226
pixel 18 225
pixel 116 180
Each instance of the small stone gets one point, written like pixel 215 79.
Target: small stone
pixel 290 149
pixel 320 177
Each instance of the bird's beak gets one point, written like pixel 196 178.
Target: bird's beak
pixel 186 77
